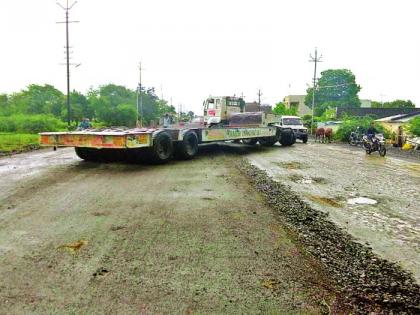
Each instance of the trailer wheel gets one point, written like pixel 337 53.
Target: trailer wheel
pixel 251 141
pixel 188 147
pixel 87 154
pixel 268 141
pixel 163 148
pixel 287 139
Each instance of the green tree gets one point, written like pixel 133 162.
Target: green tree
pixel 414 126
pixel 394 104
pixel 38 99
pixel 280 109
pixel 335 88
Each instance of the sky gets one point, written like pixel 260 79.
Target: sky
pixel 191 49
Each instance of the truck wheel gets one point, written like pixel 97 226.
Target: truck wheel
pixel 251 141
pixel 163 148
pixel 287 139
pixel 267 141
pixel 188 147
pixel 87 154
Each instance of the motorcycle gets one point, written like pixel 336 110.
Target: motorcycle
pixel 355 138
pixel 376 144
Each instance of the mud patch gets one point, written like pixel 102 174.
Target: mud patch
pixel 99 214
pixel 73 247
pixel 292 165
pixel 117 227
pixel 325 201
pixel 207 198
pixel 100 272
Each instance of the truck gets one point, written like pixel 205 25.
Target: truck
pixel 296 124
pixel 224 120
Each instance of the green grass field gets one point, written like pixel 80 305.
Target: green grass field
pixel 10 142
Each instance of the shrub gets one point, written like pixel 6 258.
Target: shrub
pixel 414 126
pixel 30 123
pixel 351 123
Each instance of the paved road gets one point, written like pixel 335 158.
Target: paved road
pixel 327 176
pixel 187 237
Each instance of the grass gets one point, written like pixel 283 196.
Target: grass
pixel 10 142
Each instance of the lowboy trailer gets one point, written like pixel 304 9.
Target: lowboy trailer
pixel 224 120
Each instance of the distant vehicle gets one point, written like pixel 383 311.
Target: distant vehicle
pixel 296 124
pixel 356 137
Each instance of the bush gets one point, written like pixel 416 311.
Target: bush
pixel 414 126
pixel 30 123
pixel 351 123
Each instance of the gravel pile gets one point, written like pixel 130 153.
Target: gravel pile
pixel 368 283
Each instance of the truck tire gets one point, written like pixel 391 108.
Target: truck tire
pixel 87 154
pixel 163 148
pixel 251 141
pixel 267 141
pixel 287 139
pixel 188 147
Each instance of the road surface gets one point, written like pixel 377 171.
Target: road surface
pixel 330 177
pixel 187 237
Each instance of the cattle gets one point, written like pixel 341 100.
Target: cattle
pixel 320 134
pixel 328 134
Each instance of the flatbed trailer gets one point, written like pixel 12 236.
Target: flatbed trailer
pixel 160 144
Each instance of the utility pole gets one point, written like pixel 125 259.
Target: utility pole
pixel 259 96
pixel 315 60
pixel 139 101
pixel 67 8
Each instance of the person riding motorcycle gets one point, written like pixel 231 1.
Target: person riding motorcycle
pixel 371 132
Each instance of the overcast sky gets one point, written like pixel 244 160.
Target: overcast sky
pixel 196 48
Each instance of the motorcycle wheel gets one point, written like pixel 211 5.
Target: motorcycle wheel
pixel 382 151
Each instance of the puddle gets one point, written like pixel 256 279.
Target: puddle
pixel 361 201
pixel 299 179
pixel 325 201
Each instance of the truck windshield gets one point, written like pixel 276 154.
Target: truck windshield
pixel 292 121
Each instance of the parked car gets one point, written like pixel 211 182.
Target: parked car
pixel 296 124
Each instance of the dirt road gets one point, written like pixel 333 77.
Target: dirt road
pixel 85 238
pixel 330 177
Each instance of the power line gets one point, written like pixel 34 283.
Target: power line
pixel 315 59
pixel 67 8
pixel 139 99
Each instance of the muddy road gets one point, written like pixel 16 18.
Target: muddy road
pixel 335 178
pixel 187 237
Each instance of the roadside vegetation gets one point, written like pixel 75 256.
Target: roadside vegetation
pixel 13 142
pixel 414 126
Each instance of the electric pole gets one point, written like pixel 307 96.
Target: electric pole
pixel 315 60
pixel 139 101
pixel 259 96
pixel 67 8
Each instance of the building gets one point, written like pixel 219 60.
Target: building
pixel 378 113
pixel 365 103
pixel 392 123
pixel 298 102
pixel 255 107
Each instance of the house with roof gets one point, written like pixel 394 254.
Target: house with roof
pixel 392 123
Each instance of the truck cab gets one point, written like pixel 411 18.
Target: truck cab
pixel 296 124
pixel 217 109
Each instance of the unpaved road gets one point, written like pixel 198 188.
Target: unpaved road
pixel 328 175
pixel 187 237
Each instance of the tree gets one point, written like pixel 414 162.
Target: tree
pixel 394 104
pixel 335 88
pixel 38 99
pixel 414 126
pixel 280 109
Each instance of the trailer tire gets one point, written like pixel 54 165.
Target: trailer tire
pixel 250 141
pixel 87 154
pixel 268 141
pixel 188 147
pixel 163 148
pixel 287 139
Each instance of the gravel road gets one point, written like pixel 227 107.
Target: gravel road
pixel 330 176
pixel 187 237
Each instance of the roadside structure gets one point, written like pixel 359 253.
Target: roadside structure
pixel 298 102
pixel 378 113
pixel 392 123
